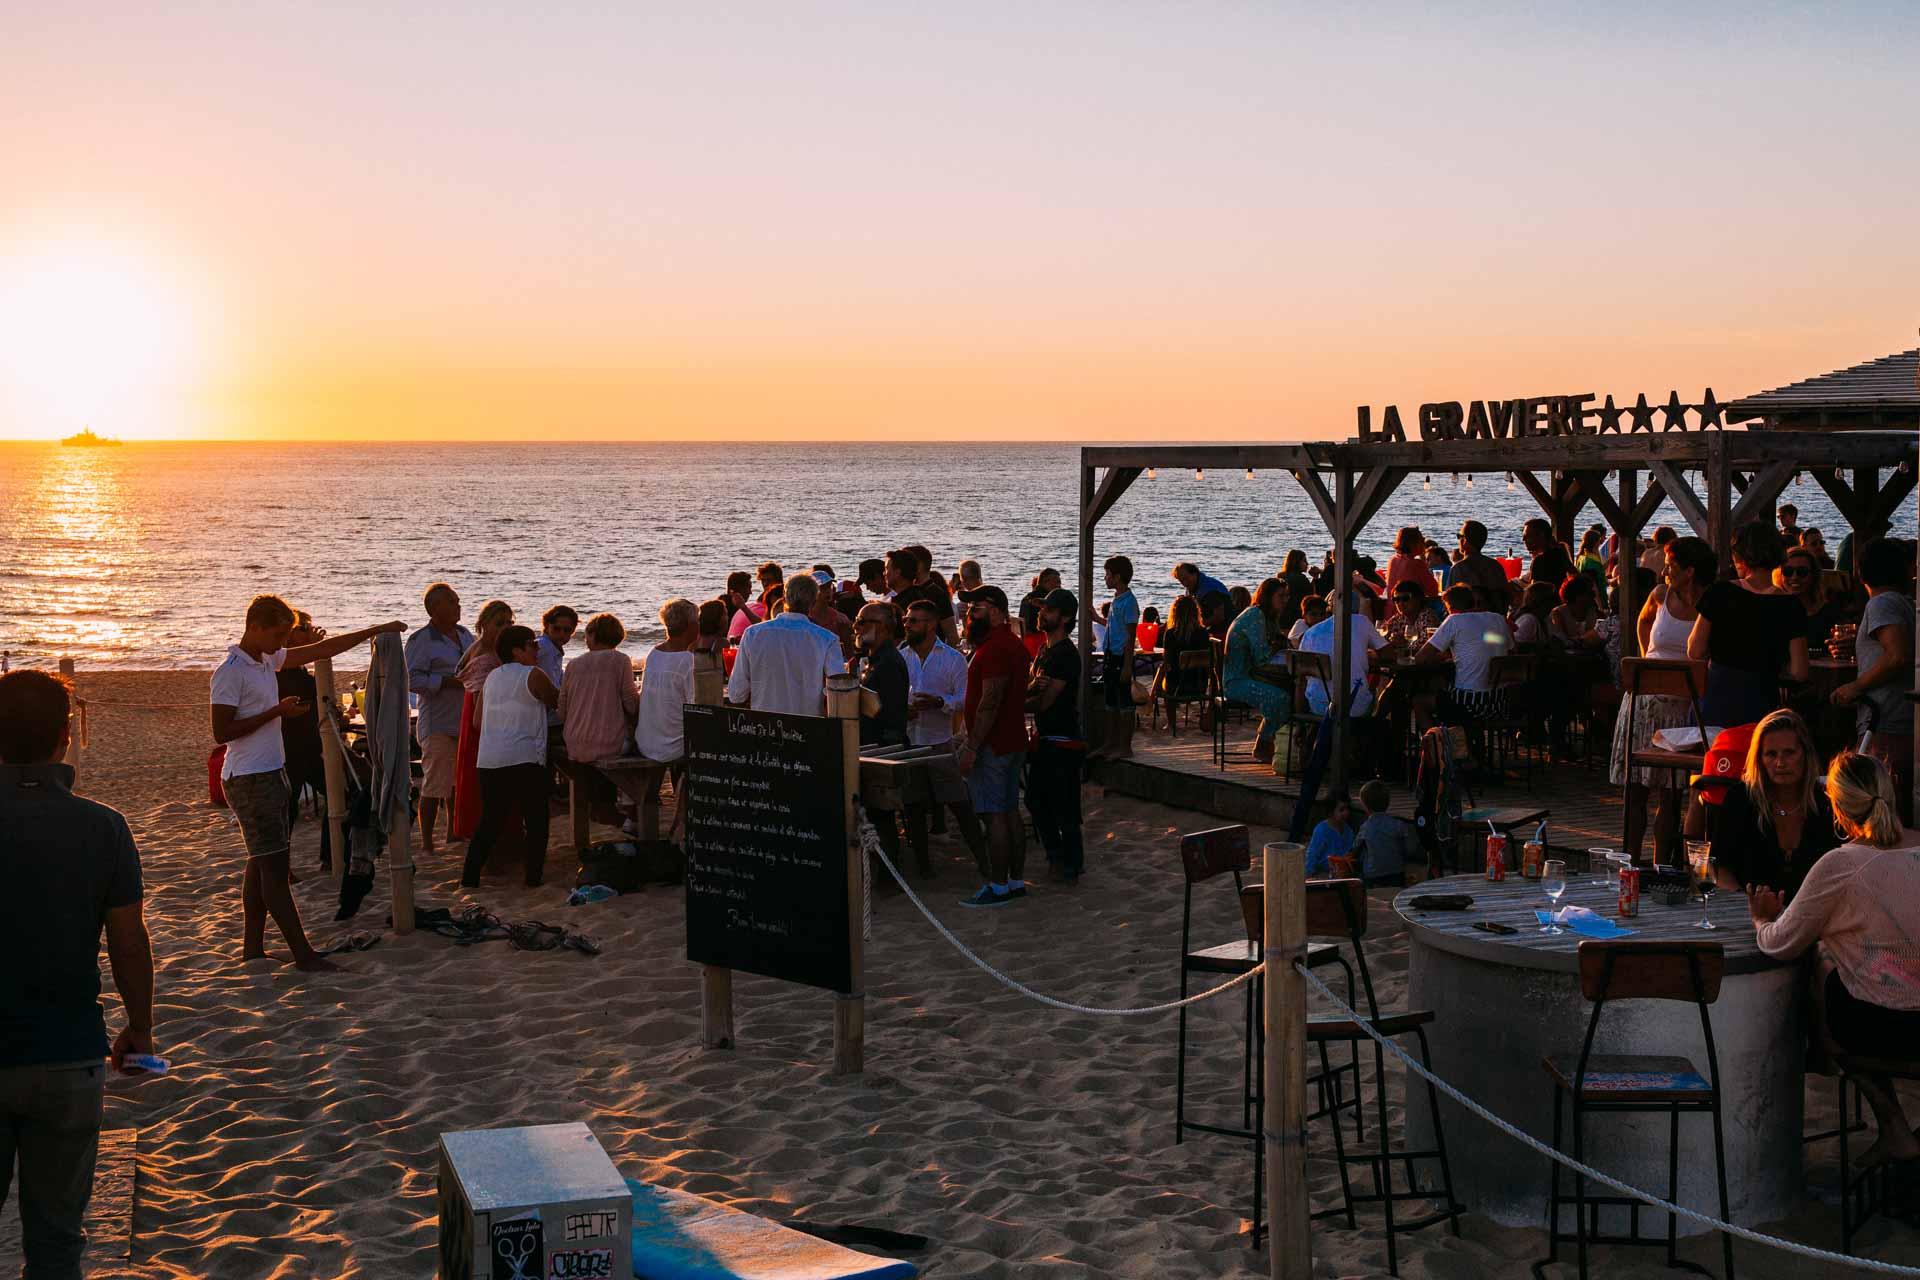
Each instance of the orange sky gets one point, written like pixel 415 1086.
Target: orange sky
pixel 858 221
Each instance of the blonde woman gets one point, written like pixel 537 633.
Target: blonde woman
pixel 1860 909
pixel 476 664
pixel 1776 822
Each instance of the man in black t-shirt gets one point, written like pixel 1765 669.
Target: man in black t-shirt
pixel 878 664
pixel 1550 564
pixel 909 581
pixel 72 874
pixel 1053 696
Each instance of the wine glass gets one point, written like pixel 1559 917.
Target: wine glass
pixel 1601 860
pixel 1553 881
pixel 1700 861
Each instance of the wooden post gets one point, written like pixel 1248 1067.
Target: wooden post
pixel 400 863
pixel 850 1011
pixel 336 767
pixel 579 803
pixel 74 719
pixel 1629 615
pixel 1289 1244
pixel 1096 723
pixel 1341 665
pixel 1719 480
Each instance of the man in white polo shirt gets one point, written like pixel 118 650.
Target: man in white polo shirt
pixel 784 662
pixel 247 710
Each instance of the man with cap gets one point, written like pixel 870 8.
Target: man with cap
pixel 826 615
pixel 991 752
pixel 1053 695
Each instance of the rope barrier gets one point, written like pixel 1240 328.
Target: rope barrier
pixel 1587 1171
pixel 1029 992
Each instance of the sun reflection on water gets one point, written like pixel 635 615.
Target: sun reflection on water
pixel 69 545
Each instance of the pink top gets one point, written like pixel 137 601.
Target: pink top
pixel 598 702
pixel 754 612
pixel 476 664
pixel 1862 906
pixel 1404 568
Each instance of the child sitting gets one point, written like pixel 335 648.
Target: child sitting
pixel 1333 838
pixel 1385 844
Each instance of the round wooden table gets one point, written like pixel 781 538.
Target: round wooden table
pixel 1503 1002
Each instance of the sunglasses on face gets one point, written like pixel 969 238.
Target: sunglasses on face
pixel 1795 571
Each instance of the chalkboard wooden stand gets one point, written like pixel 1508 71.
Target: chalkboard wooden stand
pixel 850 1011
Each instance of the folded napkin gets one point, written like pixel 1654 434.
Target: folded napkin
pixel 1685 738
pixel 1582 920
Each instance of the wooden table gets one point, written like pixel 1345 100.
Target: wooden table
pixel 636 777
pixel 1503 1002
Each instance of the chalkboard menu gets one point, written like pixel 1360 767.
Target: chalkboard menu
pixel 767 845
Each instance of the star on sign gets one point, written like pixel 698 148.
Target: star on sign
pixel 1676 413
pixel 1642 414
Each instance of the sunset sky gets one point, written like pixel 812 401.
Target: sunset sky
pixel 1029 221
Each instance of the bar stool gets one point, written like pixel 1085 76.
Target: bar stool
pixel 1687 972
pixel 1868 1192
pixel 1205 855
pixel 1337 909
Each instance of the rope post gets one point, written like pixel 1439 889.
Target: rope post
pixel 1290 1244
pixel 850 1011
pixel 336 767
pixel 72 756
pixel 579 816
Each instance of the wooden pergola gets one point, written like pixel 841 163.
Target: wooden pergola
pixel 1623 474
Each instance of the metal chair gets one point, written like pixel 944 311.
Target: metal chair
pixel 1670 678
pixel 1302 723
pixel 1870 1191
pixel 1205 855
pixel 1514 676
pixel 1337 910
pixel 1688 972
pixel 1169 691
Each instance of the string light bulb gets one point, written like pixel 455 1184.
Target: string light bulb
pixel 1469 479
pixel 1199 473
pixel 1249 473
pixel 1509 482
pixel 1426 482
pixel 1152 474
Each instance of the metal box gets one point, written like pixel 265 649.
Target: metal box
pixel 536 1203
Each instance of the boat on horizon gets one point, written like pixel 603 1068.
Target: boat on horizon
pixel 87 440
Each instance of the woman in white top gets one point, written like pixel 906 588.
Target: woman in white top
pixel 1666 620
pixel 512 759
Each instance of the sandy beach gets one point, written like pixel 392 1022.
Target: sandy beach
pixel 295 1136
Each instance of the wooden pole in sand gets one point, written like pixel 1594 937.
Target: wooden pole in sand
pixel 75 719
pixel 336 767
pixel 1290 1244
pixel 850 1011
pixel 716 981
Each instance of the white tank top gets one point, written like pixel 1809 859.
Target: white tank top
pixel 1668 639
pixel 513 723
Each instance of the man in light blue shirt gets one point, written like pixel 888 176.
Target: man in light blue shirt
pixel 557 626
pixel 433 656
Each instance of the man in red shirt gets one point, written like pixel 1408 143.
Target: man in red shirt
pixel 995 745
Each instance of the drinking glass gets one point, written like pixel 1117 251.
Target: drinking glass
pixel 1618 862
pixel 1553 880
pixel 1700 862
pixel 1601 860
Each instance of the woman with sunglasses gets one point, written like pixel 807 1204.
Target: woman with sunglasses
pixel 1800 578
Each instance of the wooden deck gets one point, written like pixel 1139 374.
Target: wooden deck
pixel 1584 807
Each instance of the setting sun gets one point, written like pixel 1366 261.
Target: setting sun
pixel 94 336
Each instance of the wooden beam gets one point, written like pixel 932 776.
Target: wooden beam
pixel 1090 513
pixel 1594 488
pixel 1322 501
pixel 1681 494
pixel 1283 1118
pixel 1760 493
pixel 1719 500
pixel 1899 484
pixel 1531 483
pixel 1834 485
pixel 1629 552
pixel 1371 494
pixel 1116 482
pixel 1569 496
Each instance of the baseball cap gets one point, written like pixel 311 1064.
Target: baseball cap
pixel 991 594
pixel 1061 600
pixel 823 577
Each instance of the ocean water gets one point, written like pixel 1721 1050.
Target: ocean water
pixel 144 557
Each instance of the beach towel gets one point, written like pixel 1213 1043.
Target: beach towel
pixel 389 735
pixel 677 1236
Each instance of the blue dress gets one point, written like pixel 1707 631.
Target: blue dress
pixel 1247 648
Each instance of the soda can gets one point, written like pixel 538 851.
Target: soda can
pixel 1629 891
pixel 1533 859
pixel 1496 856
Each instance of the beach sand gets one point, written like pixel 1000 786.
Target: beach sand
pixel 295 1136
